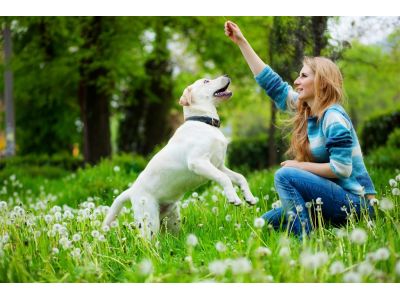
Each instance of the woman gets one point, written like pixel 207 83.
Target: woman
pixel 328 162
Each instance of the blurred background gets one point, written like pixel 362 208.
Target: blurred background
pixel 76 90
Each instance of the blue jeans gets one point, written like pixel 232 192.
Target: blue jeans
pixel 295 187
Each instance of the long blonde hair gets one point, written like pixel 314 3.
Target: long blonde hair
pixel 328 90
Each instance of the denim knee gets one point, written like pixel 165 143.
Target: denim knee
pixel 285 174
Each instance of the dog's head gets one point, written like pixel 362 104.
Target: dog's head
pixel 206 91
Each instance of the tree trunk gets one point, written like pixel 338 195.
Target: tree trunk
pixel 319 26
pixel 94 99
pixel 8 94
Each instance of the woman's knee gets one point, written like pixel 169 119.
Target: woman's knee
pixel 285 174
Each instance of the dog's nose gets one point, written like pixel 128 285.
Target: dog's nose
pixel 226 75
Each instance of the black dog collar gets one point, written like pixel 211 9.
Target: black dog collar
pixel 207 120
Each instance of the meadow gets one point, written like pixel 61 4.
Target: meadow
pixel 51 231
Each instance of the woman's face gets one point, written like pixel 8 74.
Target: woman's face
pixel 304 84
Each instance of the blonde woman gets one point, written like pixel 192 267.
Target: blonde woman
pixel 328 166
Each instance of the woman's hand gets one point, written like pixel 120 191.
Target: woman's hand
pixel 291 163
pixel 233 32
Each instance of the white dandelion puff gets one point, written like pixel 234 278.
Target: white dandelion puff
pixel 263 251
pixel 95 233
pixel 241 265
pixel 365 268
pixel 336 267
pixel 214 198
pixel 55 251
pixel 358 236
pixel 195 195
pixel 191 240
pixel 259 223
pixel 352 277
pixel 373 201
pixel 76 253
pixel 397 268
pixel 76 237
pixel 392 182
pixel 284 252
pixel 396 192
pixel 382 254
pixel 228 218
pixel 386 204
pixel 277 204
pixel 218 267
pixel 117 169
pixel 220 246
pixel 145 267
pixel 114 224
pixel 318 201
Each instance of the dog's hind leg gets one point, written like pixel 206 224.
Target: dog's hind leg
pixel 116 207
pixel 147 216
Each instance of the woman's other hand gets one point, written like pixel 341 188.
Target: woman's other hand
pixel 233 32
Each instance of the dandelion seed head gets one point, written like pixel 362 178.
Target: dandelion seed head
pixel 382 254
pixel 195 195
pixel 228 218
pixel 352 277
pixel 284 252
pixel 263 251
pixel 336 267
pixel 218 267
pixel 397 268
pixel 55 251
pixel 76 253
pixel 396 192
pixel 95 233
pixel 220 246
pixel 114 224
pixel 358 236
pixel 259 222
pixel 214 210
pixel 214 198
pixel 191 240
pixel 76 237
pixel 308 204
pixel 365 268
pixel 299 208
pixel 145 267
pixel 392 182
pixel 386 204
pixel 241 265
pixel 373 201
pixel 117 169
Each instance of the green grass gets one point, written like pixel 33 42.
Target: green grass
pixel 31 251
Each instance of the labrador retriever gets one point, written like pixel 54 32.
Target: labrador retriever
pixel 194 155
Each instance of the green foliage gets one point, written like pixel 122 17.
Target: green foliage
pixel 394 139
pixel 252 153
pixel 376 130
pixel 384 158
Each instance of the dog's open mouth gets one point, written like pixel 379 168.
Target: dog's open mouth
pixel 223 92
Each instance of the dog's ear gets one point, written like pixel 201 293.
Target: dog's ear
pixel 186 98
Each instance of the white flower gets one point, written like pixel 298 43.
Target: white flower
pixel 76 237
pixel 3 205
pixel 116 191
pixel 263 251
pixel 241 265
pixel 145 267
pixel 76 253
pixel 382 254
pixel 396 192
pixel 397 268
pixel 214 198
pixel 358 236
pixel 55 251
pixel 214 210
pixel 195 195
pixel 336 268
pixel 284 252
pixel 393 183
pixel 95 234
pixel 352 277
pixel 114 224
pixel 106 228
pixel 313 261
pixel 277 204
pixel 299 208
pixel 101 238
pixel 220 247
pixel 318 201
pixel 259 223
pixel 117 169
pixel 228 218
pixel 365 268
pixel 398 178
pixel 386 204
pixel 217 267
pixel 191 240
pixel 48 218
pixel 308 204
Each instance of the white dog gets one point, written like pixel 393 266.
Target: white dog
pixel 194 155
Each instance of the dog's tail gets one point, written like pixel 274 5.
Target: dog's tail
pixel 116 207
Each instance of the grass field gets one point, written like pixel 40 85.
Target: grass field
pixel 50 231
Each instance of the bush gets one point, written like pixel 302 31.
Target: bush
pixel 394 139
pixel 384 158
pixel 252 153
pixel 376 130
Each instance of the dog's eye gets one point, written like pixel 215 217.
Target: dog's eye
pixel 206 81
